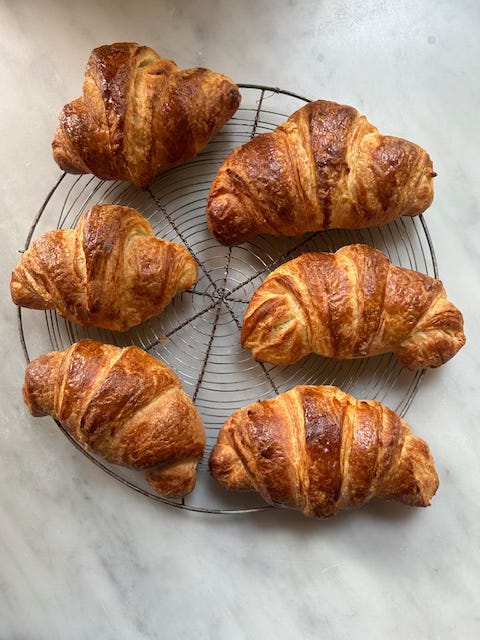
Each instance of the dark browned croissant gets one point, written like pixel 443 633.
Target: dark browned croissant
pixel 351 304
pixel 325 167
pixel 318 450
pixel 110 271
pixel 124 405
pixel 140 114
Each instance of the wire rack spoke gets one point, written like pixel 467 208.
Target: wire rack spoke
pixel 261 364
pixel 182 325
pixel 257 114
pixel 234 299
pixel 214 326
pixel 207 353
pixel 183 238
pixel 203 294
pixel 274 263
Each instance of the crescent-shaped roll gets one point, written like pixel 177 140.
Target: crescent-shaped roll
pixel 123 405
pixel 318 450
pixel 325 167
pixel 351 304
pixel 140 114
pixel 110 271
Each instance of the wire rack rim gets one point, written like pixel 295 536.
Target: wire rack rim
pixel 262 89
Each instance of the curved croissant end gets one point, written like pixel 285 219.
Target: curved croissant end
pixel 175 480
pixel 351 304
pixel 140 115
pixel 40 384
pixel 325 167
pixel 318 450
pixel 110 271
pixel 227 468
pixel 436 338
pixel 124 405
pixel 276 326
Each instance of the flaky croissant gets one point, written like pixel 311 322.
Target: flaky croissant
pixel 124 405
pixel 351 304
pixel 325 167
pixel 110 271
pixel 318 450
pixel 140 114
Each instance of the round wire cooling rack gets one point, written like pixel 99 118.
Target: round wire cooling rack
pixel 198 335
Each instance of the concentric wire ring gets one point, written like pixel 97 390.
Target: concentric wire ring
pixel 198 333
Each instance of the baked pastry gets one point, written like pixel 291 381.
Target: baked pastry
pixel 124 405
pixel 140 114
pixel 110 271
pixel 325 167
pixel 318 450
pixel 351 304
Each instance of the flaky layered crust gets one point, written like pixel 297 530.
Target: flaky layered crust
pixel 351 304
pixel 110 271
pixel 325 167
pixel 140 114
pixel 318 450
pixel 124 405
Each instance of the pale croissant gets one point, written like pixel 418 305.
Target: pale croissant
pixel 110 271
pixel 124 405
pixel 325 167
pixel 140 114
pixel 351 304
pixel 318 450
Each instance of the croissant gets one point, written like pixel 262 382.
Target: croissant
pixel 110 271
pixel 318 450
pixel 124 405
pixel 351 304
pixel 140 114
pixel 325 167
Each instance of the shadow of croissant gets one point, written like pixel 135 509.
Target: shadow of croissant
pixel 386 511
pixel 386 514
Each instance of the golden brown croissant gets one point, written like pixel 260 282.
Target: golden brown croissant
pixel 325 167
pixel 110 271
pixel 351 304
pixel 140 114
pixel 124 405
pixel 318 450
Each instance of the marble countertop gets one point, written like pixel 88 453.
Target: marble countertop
pixel 81 556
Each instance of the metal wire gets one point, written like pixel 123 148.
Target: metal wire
pixel 198 334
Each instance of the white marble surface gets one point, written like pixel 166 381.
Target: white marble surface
pixel 83 557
